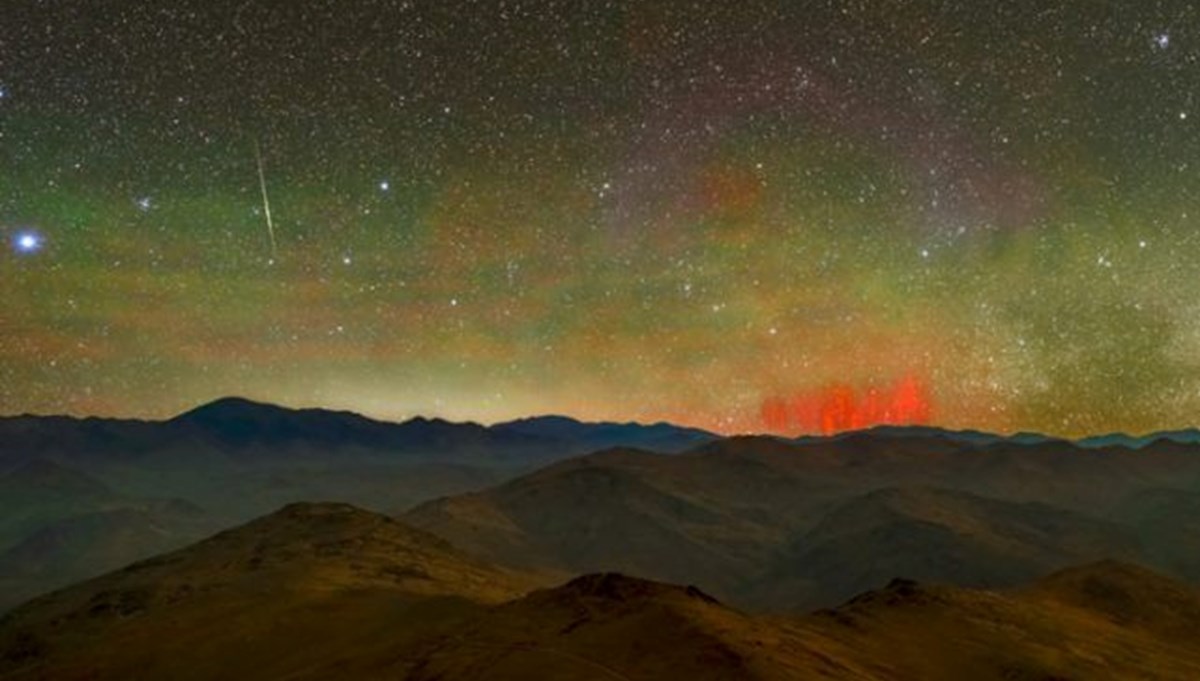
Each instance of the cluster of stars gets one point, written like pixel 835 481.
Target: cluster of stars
pixel 617 210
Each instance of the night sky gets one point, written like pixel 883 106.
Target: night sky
pixel 788 216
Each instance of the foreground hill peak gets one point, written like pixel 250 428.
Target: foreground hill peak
pixel 302 520
pixel 620 588
pixel 324 572
pixel 316 509
pixel 301 547
pixel 311 525
pixel 900 591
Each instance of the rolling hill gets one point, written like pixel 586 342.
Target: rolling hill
pixel 339 580
pixel 328 591
pixel 608 626
pixel 83 496
pixel 757 520
pixel 1107 620
pixel 935 535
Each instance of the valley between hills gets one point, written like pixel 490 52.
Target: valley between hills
pixel 243 540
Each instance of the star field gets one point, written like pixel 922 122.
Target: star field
pixel 727 214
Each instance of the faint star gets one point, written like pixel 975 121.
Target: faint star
pixel 1162 41
pixel 385 186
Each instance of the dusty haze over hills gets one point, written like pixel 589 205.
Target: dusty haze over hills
pixel 710 552
pixel 752 520
pixel 372 598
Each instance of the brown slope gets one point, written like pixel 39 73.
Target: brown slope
pixel 607 627
pixel 283 596
pixel 339 618
pixel 1052 630
pixel 1128 595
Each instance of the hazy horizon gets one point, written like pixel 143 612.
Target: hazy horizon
pixel 384 416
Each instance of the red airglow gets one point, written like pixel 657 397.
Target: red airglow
pixel 838 407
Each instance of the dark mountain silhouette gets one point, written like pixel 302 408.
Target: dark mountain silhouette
pixel 1188 437
pixel 662 437
pixel 237 426
pixel 239 423
pixel 969 437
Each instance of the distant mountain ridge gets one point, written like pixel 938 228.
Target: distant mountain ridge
pixel 660 436
pixel 657 500
pixel 235 423
pixel 978 437
pixel 241 422
pixel 1187 436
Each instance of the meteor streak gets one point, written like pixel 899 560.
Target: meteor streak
pixel 262 183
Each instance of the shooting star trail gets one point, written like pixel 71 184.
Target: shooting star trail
pixel 262 184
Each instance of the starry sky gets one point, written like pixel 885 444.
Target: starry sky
pixel 788 216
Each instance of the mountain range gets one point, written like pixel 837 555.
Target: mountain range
pixel 444 550
pixel 324 591
pixel 757 520
pixel 88 495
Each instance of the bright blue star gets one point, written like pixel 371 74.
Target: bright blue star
pixel 28 242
